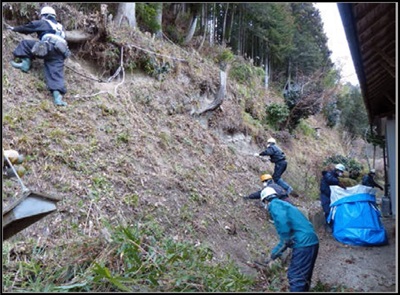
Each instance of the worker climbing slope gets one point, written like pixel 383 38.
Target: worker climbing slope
pixel 53 49
pixel 277 156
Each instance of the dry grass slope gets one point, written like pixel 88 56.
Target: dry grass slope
pixel 128 151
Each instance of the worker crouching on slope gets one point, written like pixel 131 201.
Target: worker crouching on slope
pixel 54 50
pixel 298 233
pixel 267 180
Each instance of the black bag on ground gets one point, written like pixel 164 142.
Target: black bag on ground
pixel 40 49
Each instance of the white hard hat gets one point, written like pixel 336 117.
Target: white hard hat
pixel 47 10
pixel 340 167
pixel 267 193
pixel 271 140
pixel 372 171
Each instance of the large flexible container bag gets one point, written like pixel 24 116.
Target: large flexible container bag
pixel 356 219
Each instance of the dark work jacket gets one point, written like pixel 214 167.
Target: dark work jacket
pixel 328 178
pixel 279 191
pixel 274 152
pixel 368 180
pixel 41 27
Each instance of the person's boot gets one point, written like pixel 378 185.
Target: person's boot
pixel 24 65
pixel 58 99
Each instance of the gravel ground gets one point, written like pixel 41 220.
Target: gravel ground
pixel 360 269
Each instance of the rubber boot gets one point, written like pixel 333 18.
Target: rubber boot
pixel 58 99
pixel 24 65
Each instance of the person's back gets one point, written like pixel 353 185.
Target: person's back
pixel 274 152
pixel 368 180
pixel 52 48
pixel 297 232
pixel 291 223
pixel 328 178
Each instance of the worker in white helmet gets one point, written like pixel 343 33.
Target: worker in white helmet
pixel 296 232
pixel 277 156
pixel 53 50
pixel 329 178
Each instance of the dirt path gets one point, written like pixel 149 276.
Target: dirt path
pixel 360 269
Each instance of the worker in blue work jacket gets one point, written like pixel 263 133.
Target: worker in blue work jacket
pixel 53 50
pixel 296 232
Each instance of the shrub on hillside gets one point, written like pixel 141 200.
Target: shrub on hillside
pixel 276 115
pixel 353 167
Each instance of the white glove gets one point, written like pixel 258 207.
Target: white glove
pixel 256 154
pixel 8 27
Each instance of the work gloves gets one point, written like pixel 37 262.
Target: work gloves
pixel 256 155
pixel 288 244
pixel 8 27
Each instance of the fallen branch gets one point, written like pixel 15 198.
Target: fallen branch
pixel 77 36
pixel 123 71
pixel 219 97
pixel 91 95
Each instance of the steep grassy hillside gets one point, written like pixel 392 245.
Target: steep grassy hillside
pixel 132 154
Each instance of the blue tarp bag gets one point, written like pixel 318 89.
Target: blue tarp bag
pixel 356 219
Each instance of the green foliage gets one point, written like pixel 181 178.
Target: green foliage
pixel 176 36
pixel 332 114
pixel 155 68
pixel 306 129
pixel 302 102
pixel 21 12
pixel 276 114
pixel 311 52
pixel 146 13
pixel 240 72
pixel 354 117
pixel 244 72
pixel 111 58
pixel 225 56
pixel 352 166
pixel 373 138
pixel 154 263
pixel 323 287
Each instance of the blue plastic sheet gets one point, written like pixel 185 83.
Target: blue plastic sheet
pixel 356 219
